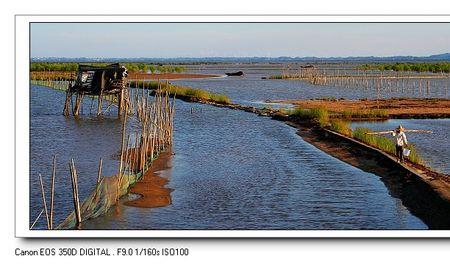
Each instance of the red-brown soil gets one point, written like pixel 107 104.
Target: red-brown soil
pixel 395 107
pixel 151 187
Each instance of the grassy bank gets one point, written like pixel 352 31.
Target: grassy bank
pixel 384 143
pixel 183 91
pixel 364 114
pixel 199 94
pixel 321 117
pixel 315 115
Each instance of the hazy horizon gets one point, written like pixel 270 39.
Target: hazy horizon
pixel 198 40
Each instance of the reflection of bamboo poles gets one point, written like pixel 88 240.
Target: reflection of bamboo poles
pixel 52 191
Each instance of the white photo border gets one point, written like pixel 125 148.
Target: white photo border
pixel 22 61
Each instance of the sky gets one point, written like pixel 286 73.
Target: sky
pixel 168 40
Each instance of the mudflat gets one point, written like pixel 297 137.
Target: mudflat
pixel 394 107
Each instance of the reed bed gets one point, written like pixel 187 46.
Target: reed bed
pixel 364 114
pixel 53 75
pixel 182 91
pixel 314 115
pixel 154 116
pixel 341 126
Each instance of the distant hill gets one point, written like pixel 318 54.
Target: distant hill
pixel 439 57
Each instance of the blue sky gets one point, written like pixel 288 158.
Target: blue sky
pixel 164 40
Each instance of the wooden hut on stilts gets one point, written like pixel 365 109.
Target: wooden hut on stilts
pixel 97 81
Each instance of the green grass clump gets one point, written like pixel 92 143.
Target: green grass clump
pixel 365 113
pixel 275 77
pixel 197 93
pixel 146 84
pixel 341 127
pixel 315 115
pixel 383 143
pixel 183 91
pixel 219 98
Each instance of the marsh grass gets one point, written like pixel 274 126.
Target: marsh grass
pixel 183 91
pixel 341 126
pixel 196 93
pixel 276 77
pixel 315 115
pixel 146 84
pixel 364 113
pixel 383 143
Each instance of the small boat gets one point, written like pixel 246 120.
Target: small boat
pixel 238 73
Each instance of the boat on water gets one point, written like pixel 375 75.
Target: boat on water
pixel 238 73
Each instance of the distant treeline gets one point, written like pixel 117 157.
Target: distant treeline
pixel 131 66
pixel 434 67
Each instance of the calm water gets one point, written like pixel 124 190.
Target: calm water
pixel 85 140
pixel 252 90
pixel 231 169
pixel 234 170
pixel 434 147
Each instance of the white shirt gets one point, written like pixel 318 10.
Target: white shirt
pixel 400 139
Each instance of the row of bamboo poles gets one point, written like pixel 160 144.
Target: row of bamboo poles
pixel 62 84
pixel 405 84
pixel 99 105
pixel 154 117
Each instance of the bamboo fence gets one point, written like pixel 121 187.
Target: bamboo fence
pixel 154 116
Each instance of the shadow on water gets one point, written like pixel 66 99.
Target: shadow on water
pixel 415 194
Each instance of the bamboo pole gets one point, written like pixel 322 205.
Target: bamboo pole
pixel 99 103
pixel 44 202
pixel 123 139
pixel 76 200
pixel 67 102
pixel 37 218
pixel 99 177
pixel 52 196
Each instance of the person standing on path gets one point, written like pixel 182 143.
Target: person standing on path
pixel 400 142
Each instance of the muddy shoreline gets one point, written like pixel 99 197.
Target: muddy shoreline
pixel 151 187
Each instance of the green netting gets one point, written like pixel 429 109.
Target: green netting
pixel 103 197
